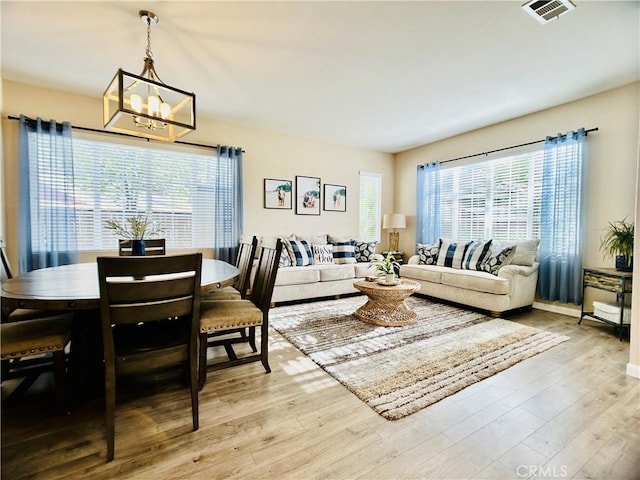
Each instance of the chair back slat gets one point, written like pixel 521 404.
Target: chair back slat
pixel 150 311
pixel 6 270
pixel 246 253
pixel 265 279
pixel 152 247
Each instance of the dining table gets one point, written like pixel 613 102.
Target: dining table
pixel 75 288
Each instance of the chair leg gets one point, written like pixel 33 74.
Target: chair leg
pixel 202 362
pixel 264 347
pixel 252 338
pixel 60 381
pixel 194 385
pixel 110 398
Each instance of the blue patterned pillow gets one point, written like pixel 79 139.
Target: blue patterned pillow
pixel 344 252
pixel 499 259
pixel 364 250
pixel 451 254
pixel 476 255
pixel 428 253
pixel 300 251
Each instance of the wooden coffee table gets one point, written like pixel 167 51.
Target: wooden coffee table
pixel 386 305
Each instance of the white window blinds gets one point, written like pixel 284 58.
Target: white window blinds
pixel 370 206
pixel 497 199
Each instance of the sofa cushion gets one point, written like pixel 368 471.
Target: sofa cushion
pixel 300 252
pixel 364 250
pixel 499 258
pixel 451 253
pixel 297 275
pixel 344 252
pixel 336 272
pixel 320 239
pixel 476 255
pixel 428 252
pixel 322 254
pixel 476 281
pixel 429 273
pixel 525 253
pixel 364 269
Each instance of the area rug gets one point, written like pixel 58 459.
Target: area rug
pixel 400 370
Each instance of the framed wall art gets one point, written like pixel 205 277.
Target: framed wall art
pixel 307 195
pixel 277 193
pixel 335 197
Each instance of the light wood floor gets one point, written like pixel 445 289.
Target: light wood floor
pixel 570 412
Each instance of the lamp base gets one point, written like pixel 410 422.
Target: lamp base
pixel 394 240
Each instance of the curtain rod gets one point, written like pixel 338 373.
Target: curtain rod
pixel 96 130
pixel 595 129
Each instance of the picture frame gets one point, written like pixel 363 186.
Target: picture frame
pixel 308 195
pixel 335 197
pixel 278 194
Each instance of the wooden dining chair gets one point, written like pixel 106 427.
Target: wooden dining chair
pixel 33 342
pixel 227 316
pixel 244 262
pixel 152 246
pixel 149 309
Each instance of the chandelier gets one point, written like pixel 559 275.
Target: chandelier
pixel 143 105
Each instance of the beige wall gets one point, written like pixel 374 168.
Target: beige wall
pixel 268 155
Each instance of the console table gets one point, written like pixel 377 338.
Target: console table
pixel 611 280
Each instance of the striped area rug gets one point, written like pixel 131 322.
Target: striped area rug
pixel 400 370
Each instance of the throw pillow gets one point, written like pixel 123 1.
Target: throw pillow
pixel 428 253
pixel 525 253
pixel 364 250
pixel 499 259
pixel 451 253
pixel 344 252
pixel 300 251
pixel 285 258
pixel 322 254
pixel 476 255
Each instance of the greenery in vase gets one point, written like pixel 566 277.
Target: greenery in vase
pixel 384 264
pixel 618 239
pixel 135 228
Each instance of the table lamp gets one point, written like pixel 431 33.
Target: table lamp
pixel 394 221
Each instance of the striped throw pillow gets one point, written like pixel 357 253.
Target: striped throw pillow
pixel 451 254
pixel 344 252
pixel 476 255
pixel 300 251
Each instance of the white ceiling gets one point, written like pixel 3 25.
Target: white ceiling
pixel 386 76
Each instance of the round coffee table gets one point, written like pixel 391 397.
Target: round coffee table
pixel 386 305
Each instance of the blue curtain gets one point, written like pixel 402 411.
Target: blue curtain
pixel 228 208
pixel 561 220
pixel 428 203
pixel 46 205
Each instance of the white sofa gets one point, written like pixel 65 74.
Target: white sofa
pixel 514 285
pixel 318 280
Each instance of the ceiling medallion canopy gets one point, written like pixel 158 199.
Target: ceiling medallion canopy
pixel 143 105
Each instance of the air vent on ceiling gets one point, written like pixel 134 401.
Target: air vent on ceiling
pixel 546 10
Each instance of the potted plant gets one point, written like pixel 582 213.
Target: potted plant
pixel 135 229
pixel 386 265
pixel 617 241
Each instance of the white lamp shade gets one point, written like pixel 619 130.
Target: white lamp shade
pixel 394 220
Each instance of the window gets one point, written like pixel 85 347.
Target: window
pixel 174 187
pixel 370 206
pixel 499 199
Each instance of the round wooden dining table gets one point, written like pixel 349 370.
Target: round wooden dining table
pixel 75 287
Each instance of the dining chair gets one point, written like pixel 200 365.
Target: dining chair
pixel 227 316
pixel 152 246
pixel 33 342
pixel 244 262
pixel 149 310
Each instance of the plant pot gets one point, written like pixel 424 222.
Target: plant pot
pixel 137 248
pixel 624 264
pixel 389 278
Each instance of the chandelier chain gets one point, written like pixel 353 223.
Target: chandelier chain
pixel 148 51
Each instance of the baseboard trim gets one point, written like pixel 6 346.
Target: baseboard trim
pixel 547 307
pixel 633 370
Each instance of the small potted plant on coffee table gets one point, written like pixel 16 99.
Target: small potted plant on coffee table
pixel 386 265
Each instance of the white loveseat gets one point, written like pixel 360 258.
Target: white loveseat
pixel 511 286
pixel 330 278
